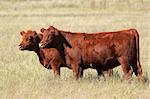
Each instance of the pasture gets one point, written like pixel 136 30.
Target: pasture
pixel 23 77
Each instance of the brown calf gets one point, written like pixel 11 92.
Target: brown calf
pixel 50 58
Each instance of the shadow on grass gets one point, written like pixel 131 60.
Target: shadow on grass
pixel 146 78
pixel 116 77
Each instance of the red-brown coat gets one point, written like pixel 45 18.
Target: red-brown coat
pixel 50 58
pixel 101 50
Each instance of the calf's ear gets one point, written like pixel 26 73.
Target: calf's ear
pixel 22 32
pixel 42 30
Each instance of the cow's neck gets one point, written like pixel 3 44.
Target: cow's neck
pixel 39 52
pixel 36 49
pixel 66 38
pixel 66 35
pixel 58 44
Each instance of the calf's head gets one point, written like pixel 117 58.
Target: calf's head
pixel 30 40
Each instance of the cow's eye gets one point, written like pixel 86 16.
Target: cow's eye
pixel 49 37
pixel 52 32
pixel 30 38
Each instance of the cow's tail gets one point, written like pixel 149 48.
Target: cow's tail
pixel 137 65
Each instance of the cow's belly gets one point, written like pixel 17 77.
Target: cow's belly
pixel 100 57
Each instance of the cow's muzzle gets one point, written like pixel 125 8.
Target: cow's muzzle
pixel 21 47
pixel 42 45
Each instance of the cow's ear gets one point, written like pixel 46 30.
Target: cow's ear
pixel 51 27
pixel 42 30
pixel 34 32
pixel 22 32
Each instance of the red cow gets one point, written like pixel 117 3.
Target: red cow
pixel 102 51
pixel 48 57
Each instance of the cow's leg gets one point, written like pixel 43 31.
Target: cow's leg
pixel 76 71
pixel 100 73
pixel 110 72
pixel 46 64
pixel 125 67
pixel 81 71
pixel 56 70
pixel 137 69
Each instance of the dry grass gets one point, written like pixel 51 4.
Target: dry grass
pixel 22 76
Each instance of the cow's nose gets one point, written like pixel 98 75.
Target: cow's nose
pixel 40 45
pixel 20 47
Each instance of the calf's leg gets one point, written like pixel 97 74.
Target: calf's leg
pixel 56 70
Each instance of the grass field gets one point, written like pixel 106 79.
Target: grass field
pixel 23 77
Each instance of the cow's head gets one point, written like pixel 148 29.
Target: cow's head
pixel 30 40
pixel 48 36
pixel 53 37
